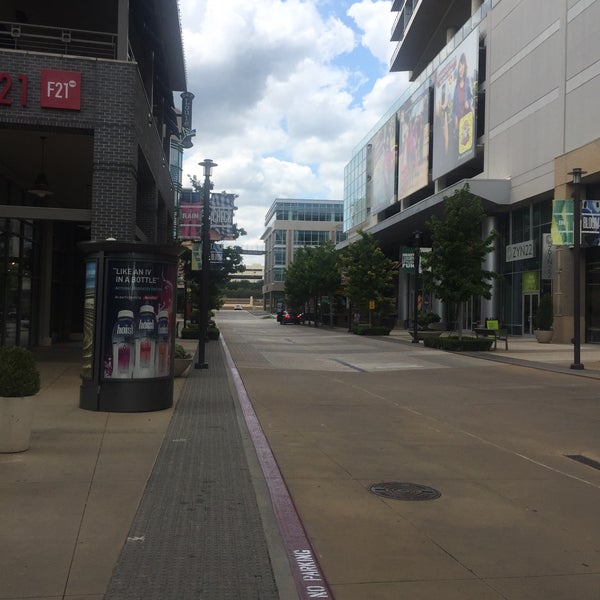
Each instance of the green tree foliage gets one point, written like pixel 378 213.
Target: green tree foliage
pixel 244 289
pixel 453 269
pixel 314 273
pixel 369 275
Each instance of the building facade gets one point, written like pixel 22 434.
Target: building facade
pixel 87 120
pixel 502 98
pixel 290 224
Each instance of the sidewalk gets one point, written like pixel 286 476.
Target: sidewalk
pixel 175 499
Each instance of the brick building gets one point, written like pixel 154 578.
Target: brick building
pixel 87 100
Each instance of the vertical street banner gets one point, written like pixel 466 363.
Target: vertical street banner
pixel 187 133
pixel 562 222
pixel 222 207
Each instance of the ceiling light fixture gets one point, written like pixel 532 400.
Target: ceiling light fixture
pixel 40 188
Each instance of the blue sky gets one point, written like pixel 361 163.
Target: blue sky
pixel 284 90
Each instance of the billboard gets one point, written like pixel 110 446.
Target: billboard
pixel 383 166
pixel 455 105
pixel 413 143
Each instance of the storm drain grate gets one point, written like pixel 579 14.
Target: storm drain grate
pixel 584 460
pixel 404 491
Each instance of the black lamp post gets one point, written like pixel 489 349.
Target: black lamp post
pixel 576 173
pixel 415 339
pixel 208 165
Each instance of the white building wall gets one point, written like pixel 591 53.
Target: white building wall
pixel 525 94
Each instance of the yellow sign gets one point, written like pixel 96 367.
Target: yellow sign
pixel 371 304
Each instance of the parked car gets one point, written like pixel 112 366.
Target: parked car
pixel 291 316
pixel 238 307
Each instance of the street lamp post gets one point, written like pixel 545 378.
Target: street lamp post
pixel 415 339
pixel 208 165
pixel 576 173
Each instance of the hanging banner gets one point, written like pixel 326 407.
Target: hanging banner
pixel 455 107
pixel 222 207
pixel 548 252
pixel 413 143
pixel 407 260
pixel 562 222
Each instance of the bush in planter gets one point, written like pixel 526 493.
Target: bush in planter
pixel 181 352
pixel 213 332
pixel 424 319
pixel 19 381
pixel 370 330
pixel 456 344
pixel 544 317
pixel 190 333
pixel 19 375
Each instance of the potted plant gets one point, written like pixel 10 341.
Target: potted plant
pixel 543 320
pixel 19 382
pixel 183 359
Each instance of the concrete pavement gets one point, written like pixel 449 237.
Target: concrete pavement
pixel 71 504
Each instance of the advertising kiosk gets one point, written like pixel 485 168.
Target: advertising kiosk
pixel 129 326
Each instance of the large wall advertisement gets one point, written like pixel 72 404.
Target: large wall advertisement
pixel 455 107
pixel 413 143
pixel 383 166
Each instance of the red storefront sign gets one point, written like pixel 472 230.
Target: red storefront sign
pixel 60 89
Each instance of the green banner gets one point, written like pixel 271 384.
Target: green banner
pixel 562 222
pixel 407 264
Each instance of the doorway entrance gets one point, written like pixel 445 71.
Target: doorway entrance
pixel 530 305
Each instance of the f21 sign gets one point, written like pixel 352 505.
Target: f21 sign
pixel 58 89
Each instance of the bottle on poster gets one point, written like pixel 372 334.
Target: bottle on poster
pixel 163 356
pixel 123 345
pixel 145 342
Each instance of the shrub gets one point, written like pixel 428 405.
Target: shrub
pixel 213 333
pixel 370 330
pixel 19 375
pixel 424 319
pixel 544 317
pixel 456 344
pixel 190 333
pixel 180 352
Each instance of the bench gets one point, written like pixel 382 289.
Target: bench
pixel 493 332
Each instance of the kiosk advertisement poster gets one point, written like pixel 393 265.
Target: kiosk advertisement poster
pixel 89 318
pixel 138 333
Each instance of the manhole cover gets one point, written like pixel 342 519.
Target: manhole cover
pixel 404 491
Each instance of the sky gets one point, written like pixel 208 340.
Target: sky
pixel 284 92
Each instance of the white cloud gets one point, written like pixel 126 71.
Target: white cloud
pixel 273 107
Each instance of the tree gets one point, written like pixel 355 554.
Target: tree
pixel 314 273
pixel 369 275
pixel 454 267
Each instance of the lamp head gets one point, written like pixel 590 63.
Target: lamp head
pixel 577 173
pixel 208 165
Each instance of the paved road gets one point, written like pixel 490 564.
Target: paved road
pixel 516 519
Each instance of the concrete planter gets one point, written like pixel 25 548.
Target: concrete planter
pixel 16 415
pixel 181 366
pixel 543 336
